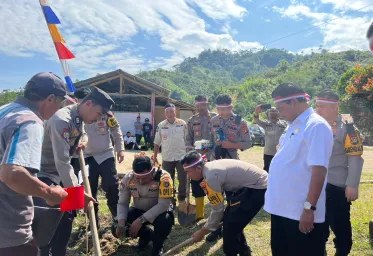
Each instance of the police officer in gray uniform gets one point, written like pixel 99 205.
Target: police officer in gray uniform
pixel 100 158
pixel 274 128
pixel 61 139
pixel 244 185
pixel 21 136
pixel 229 131
pixel 199 129
pixel 344 172
pixel 152 192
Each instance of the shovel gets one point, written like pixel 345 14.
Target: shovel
pixel 187 211
pixel 183 244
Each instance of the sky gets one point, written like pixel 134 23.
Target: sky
pixel 140 35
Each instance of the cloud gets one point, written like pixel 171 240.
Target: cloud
pixel 350 4
pixel 100 32
pixel 340 32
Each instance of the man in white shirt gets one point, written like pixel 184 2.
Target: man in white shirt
pixel 295 196
pixel 129 142
pixel 171 134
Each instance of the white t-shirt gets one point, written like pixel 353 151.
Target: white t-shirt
pixel 307 142
pixel 128 139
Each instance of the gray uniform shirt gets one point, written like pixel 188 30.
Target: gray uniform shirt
pixel 99 142
pixel 154 198
pixel 138 128
pixel 61 136
pixel 199 129
pixel 344 169
pixel 228 175
pixel 21 136
pixel 273 132
pixel 234 132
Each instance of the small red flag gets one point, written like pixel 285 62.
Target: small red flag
pixel 63 52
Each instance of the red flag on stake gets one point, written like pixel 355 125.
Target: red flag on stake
pixel 63 52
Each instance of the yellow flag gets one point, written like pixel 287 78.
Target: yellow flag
pixel 56 35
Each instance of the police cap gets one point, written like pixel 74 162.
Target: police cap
pixel 101 98
pixel 81 93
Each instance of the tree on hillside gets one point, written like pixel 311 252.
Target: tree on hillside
pixel 8 96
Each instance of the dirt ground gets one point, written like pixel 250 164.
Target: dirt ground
pixel 257 232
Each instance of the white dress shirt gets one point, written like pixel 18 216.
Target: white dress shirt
pixel 307 142
pixel 128 140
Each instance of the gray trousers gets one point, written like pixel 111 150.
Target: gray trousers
pixel 181 176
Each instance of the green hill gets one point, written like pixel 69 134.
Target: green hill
pixel 251 76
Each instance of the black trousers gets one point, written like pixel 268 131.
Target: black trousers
pixel 147 137
pixel 60 239
pixel 338 218
pixel 237 217
pixel 267 162
pixel 109 182
pixel 162 227
pixel 287 240
pixel 76 165
pixel 138 138
pixel 28 249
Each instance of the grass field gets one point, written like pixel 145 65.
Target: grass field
pixel 257 232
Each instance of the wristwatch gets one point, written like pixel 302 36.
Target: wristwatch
pixel 309 206
pixel 142 220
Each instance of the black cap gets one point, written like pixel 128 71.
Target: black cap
pixel 44 84
pixel 169 105
pixel 146 119
pixel 103 99
pixel 81 93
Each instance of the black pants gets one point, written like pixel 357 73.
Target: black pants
pixel 197 191
pixel 28 249
pixel 236 218
pixel 162 227
pixel 338 218
pixel 131 145
pixel 109 182
pixel 267 162
pixel 60 239
pixel 138 138
pixel 147 137
pixel 287 240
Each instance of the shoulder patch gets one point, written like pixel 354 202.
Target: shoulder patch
pixel 214 197
pixel 112 122
pixel 66 134
pixel 353 145
pixel 166 187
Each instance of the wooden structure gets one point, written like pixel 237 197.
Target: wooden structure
pixel 134 95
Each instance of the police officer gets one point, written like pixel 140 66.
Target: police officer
pixel 152 192
pixel 100 158
pixel 61 139
pixel 171 135
pixel 231 127
pixel 199 129
pixel 244 185
pixel 344 172
pixel 78 95
pixel 229 132
pixel 274 128
pixel 21 136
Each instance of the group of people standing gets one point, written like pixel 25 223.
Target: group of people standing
pixel 313 172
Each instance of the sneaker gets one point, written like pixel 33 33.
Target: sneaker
pixel 157 252
pixel 215 235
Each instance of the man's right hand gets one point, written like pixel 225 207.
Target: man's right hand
pixel 258 109
pixel 87 200
pixel 56 196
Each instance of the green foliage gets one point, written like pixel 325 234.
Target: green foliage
pixel 8 96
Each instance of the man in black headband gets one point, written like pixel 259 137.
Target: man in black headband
pixel 153 206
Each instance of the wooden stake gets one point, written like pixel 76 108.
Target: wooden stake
pixel 90 210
